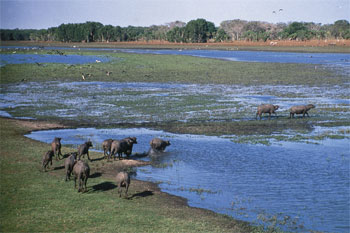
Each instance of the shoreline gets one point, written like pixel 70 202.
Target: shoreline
pixel 108 172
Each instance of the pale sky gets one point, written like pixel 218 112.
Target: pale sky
pixel 42 14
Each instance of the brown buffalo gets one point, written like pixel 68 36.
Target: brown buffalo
pixel 69 163
pixel 47 158
pixel 266 108
pixel 300 109
pixel 123 180
pixel 106 146
pixel 84 149
pixel 158 144
pixel 81 171
pixel 56 147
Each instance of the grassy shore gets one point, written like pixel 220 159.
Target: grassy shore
pixel 36 201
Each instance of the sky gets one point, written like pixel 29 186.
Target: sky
pixel 43 14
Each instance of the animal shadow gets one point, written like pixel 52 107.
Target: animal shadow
pixel 98 159
pixel 142 194
pixel 105 186
pixel 95 175
pixel 58 168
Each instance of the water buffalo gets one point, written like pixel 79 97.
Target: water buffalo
pixel 69 163
pixel 123 180
pixel 266 108
pixel 130 145
pixel 84 149
pixel 106 145
pixel 300 109
pixel 81 171
pixel 120 146
pixel 158 144
pixel 56 147
pixel 47 158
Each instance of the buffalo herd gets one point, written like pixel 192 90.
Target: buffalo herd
pixel 116 148
pixel 269 108
pixel 111 148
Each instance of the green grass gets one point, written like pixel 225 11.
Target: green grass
pixel 170 68
pixel 34 201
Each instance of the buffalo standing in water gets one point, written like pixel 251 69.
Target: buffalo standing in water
pixel 56 147
pixel 300 109
pixel 158 144
pixel 266 108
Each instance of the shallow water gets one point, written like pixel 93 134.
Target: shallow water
pixel 338 60
pixel 114 102
pixel 303 186
pixel 49 58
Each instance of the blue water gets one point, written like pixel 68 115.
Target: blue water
pixel 305 186
pixel 49 58
pixel 258 56
pixel 334 59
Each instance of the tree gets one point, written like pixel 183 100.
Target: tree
pixel 340 28
pixel 176 34
pixel 199 31
pixel 221 35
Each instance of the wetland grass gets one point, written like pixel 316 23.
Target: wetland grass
pixel 174 69
pixel 194 113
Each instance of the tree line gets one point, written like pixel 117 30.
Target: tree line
pixel 195 31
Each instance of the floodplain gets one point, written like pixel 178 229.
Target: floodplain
pixel 204 97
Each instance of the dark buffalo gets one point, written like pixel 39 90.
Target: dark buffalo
pixel 120 146
pixel 130 145
pixel 84 149
pixel 47 158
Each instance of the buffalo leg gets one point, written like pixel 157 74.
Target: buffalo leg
pixel 88 156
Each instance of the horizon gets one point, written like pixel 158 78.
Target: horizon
pixel 41 14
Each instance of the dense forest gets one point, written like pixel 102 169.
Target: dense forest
pixel 195 31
